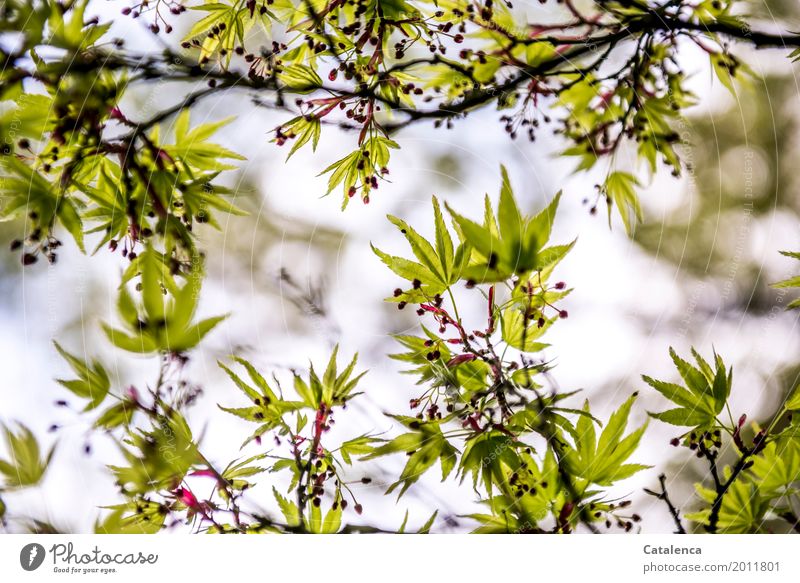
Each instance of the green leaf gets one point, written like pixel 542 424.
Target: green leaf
pixel 137 516
pixel 721 387
pixel 436 268
pixel 116 415
pixel 674 393
pixel 426 528
pixel 486 457
pixel 444 245
pixel 251 393
pixel 357 446
pixel 508 244
pixel 162 323
pixel 71 220
pixel 522 332
pixel 620 188
pixel 509 219
pixel 409 270
pixel 586 438
pixel 541 226
pixel 300 78
pixel 289 510
pixel 693 377
pixel 158 458
pixel 549 257
pixel 793 402
pixel 683 417
pixel 486 245
pixel 791 282
pixel 721 64
pixel 704 396
pixel 26 467
pixel 244 468
pixel 742 509
pixel 603 462
pixel 425 445
pixel 333 520
pixel 302 129
pixel 92 384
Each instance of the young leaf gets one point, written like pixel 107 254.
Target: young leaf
pixel 620 188
pixel 92 383
pixel 26 466
pixel 603 462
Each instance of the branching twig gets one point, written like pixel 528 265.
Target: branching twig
pixel 673 510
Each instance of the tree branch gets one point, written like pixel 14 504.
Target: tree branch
pixel 673 510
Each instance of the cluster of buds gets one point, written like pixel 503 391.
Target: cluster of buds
pixel 432 412
pixel 759 440
pixel 613 516
pixel 528 115
pixel 513 124
pixel 532 313
pixel 36 244
pixel 137 10
pixel 321 473
pixel 523 482
pixel 703 443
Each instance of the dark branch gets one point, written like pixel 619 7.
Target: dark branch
pixel 673 510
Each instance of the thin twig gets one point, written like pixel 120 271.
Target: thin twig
pixel 673 510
